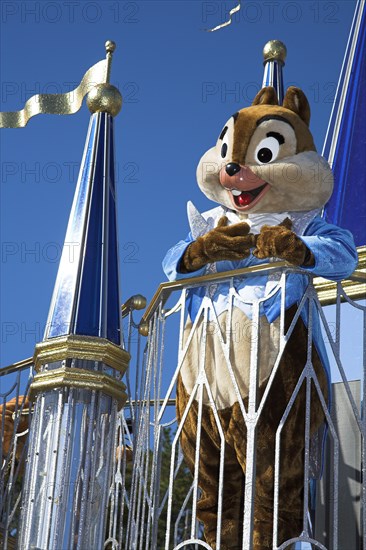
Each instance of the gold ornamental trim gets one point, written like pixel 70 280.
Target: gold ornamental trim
pixel 81 347
pixel 67 377
pixel 354 288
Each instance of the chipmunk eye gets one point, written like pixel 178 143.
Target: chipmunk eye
pixel 267 150
pixel 224 142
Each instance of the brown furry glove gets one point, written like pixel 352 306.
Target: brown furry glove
pixel 279 241
pixel 225 242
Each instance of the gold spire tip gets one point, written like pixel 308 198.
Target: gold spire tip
pixel 110 46
pixel 275 50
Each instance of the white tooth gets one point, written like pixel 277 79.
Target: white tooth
pixel 236 192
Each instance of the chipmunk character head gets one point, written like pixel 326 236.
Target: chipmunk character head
pixel 265 159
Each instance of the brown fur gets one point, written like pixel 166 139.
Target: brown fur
pixel 295 110
pixel 291 458
pixel 296 101
pixel 225 242
pixel 266 96
pixel 233 242
pixel 279 241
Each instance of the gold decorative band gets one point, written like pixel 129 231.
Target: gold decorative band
pixel 355 288
pixel 66 377
pixel 81 347
pixel 56 104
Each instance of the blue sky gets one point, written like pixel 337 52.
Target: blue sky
pixel 180 84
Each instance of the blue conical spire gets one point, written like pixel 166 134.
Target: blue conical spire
pixel 274 54
pixel 345 142
pixel 86 295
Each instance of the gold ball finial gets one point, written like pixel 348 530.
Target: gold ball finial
pixel 104 98
pixel 275 50
pixel 138 301
pixel 110 46
pixel 144 328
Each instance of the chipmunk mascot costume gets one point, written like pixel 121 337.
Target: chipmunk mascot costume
pixel 270 184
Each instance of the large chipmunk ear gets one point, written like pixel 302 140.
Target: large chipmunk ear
pixel 266 96
pixel 295 100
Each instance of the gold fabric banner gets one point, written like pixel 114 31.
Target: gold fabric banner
pixel 57 104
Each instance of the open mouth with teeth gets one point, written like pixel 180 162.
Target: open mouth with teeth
pixel 243 199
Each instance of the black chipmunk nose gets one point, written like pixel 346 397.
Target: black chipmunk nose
pixel 232 168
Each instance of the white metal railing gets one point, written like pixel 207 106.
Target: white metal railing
pixel 156 495
pixel 167 486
